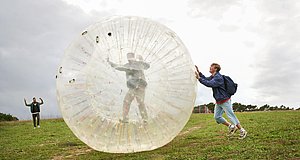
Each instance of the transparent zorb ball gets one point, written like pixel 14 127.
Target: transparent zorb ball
pixel 126 84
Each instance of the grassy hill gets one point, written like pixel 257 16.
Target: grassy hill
pixel 272 135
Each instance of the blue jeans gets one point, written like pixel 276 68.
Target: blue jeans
pixel 227 108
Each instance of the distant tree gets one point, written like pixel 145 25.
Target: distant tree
pixel 273 108
pixel 211 106
pixel 196 109
pixel 282 107
pixel 238 107
pixel 7 117
pixel 252 107
pixel 235 105
pixel 264 107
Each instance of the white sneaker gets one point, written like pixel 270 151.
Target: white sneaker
pixel 243 134
pixel 39 126
pixel 231 130
pixel 34 127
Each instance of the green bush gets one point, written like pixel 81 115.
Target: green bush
pixel 7 117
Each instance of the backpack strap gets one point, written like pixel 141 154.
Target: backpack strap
pixel 224 82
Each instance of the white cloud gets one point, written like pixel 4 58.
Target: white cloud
pixel 277 75
pixel 214 9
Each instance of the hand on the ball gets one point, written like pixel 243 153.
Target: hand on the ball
pixel 197 75
pixel 196 68
pixel 197 72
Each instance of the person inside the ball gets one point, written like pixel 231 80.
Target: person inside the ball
pixel 136 83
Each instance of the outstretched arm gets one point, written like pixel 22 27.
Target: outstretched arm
pixel 112 64
pixel 42 102
pixel 26 102
pixel 116 66
pixel 214 82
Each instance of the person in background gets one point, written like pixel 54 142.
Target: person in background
pixel 35 111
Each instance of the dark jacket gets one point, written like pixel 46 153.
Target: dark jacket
pixel 34 107
pixel 217 84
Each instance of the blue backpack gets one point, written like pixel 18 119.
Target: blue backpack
pixel 230 86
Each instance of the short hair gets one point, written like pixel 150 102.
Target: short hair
pixel 217 66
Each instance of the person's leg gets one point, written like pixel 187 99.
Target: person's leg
pixel 226 124
pixel 227 106
pixel 140 96
pixel 38 119
pixel 34 120
pixel 230 114
pixel 218 115
pixel 239 126
pixel 126 103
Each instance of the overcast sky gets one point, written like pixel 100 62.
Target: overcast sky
pixel 256 42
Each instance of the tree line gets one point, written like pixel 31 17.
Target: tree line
pixel 238 107
pixel 7 117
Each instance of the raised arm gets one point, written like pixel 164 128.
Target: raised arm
pixel 42 102
pixel 112 64
pixel 26 102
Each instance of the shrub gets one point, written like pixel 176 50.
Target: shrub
pixel 7 117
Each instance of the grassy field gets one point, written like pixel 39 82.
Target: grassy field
pixel 271 135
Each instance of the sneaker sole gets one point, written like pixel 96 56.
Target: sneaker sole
pixel 243 136
pixel 232 133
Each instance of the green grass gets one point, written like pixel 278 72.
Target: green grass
pixel 271 135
